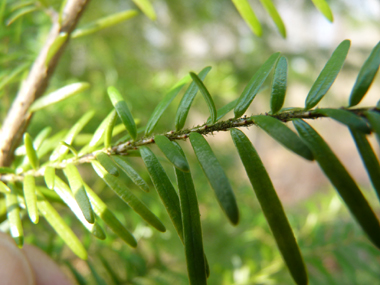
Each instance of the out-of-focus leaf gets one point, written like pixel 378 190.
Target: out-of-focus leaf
pixel 4 188
pixel 163 105
pixel 281 133
pixel 79 278
pixel 13 74
pixel 61 150
pixel 107 163
pixel 147 8
pixel 279 85
pixel 272 11
pixel 128 197
pixel 171 153
pixel 110 270
pixel 71 148
pixel 67 196
pixel 254 85
pixel 55 46
pixel 44 3
pixel 318 264
pixel 21 12
pixel 164 188
pixel 216 176
pixel 103 23
pixel 102 211
pixel 40 138
pixel 13 216
pixel 109 129
pixel 16 5
pixel 58 224
pixel 344 263
pixel 2 9
pixel 271 206
pixel 223 111
pixel 95 275
pixel 29 187
pixel 77 188
pixel 123 111
pixel 346 117
pixel 328 74
pixel 30 151
pixel 132 174
pixel 6 170
pixel 341 180
pixel 37 143
pixel 58 95
pixel 50 195
pixel 187 100
pixel 49 176
pixel 61 11
pixel 365 77
pixel 249 16
pixel 324 8
pixel 51 143
pixel 98 135
pixel 127 137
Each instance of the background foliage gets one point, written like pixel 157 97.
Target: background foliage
pixel 144 59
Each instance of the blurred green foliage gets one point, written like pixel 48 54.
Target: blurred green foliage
pixel 143 59
pixel 334 247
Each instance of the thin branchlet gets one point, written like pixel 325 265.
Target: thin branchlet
pixel 223 126
pixel 18 117
pixel 124 148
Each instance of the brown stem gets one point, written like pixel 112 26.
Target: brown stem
pixel 35 85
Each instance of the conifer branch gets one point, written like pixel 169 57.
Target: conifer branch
pixel 206 129
pixel 125 148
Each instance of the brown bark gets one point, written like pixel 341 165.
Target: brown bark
pixel 35 85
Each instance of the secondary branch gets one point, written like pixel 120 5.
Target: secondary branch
pixel 35 85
